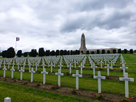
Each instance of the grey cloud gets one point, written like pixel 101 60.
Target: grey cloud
pixel 88 5
pixel 115 20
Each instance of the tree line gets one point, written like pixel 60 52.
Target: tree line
pixel 10 52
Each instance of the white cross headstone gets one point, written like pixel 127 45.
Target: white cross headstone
pixel 43 65
pixel 51 66
pixel 93 66
pixel 70 67
pixel 29 66
pixel 111 64
pixel 32 71
pixel 108 67
pixel 44 75
pixel 7 99
pixel 99 77
pixel 59 74
pixel 81 67
pixel 126 79
pixel 123 67
pixel 77 79
pixel 4 71
pixel 21 73
pixel 101 63
pixel 36 64
pixel 12 72
pixel 60 66
pixel 75 62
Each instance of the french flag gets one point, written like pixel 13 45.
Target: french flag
pixel 17 38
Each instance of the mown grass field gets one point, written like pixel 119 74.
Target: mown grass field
pixel 109 86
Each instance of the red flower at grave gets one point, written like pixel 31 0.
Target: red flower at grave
pixel 130 99
pixel 101 95
pixel 38 83
pixel 94 94
pixel 123 99
pixel 73 88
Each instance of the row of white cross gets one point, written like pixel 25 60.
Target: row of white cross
pixel 77 75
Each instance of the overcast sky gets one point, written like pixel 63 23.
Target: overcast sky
pixel 58 24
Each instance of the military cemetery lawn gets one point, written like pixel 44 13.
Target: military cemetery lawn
pixel 112 89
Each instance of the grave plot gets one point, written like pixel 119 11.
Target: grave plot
pixel 87 83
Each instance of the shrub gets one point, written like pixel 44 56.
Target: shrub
pixel 19 53
pixel 10 52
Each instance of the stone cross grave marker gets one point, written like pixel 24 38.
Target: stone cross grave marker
pixel 59 74
pixel 77 79
pixel 12 72
pixel 81 68
pixel 99 77
pixel 18 64
pixel 75 62
pixel 108 67
pixel 32 71
pixel 60 66
pixel 101 63
pixel 126 79
pixel 111 64
pixel 21 73
pixel 51 66
pixel 43 65
pixel 44 75
pixel 36 65
pixel 123 67
pixel 70 67
pixel 123 63
pixel 29 66
pixel 4 71
pixel 93 66
pixel 105 61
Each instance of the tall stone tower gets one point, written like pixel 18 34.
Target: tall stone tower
pixel 83 45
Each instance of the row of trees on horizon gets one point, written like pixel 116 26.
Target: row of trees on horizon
pixel 10 52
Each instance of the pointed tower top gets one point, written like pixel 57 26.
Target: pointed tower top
pixel 83 35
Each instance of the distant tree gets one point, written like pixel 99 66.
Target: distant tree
pixel 119 50
pixel 92 52
pixel 103 51
pixel 47 52
pixel 71 52
pixel 25 54
pixel 57 52
pixel 10 52
pixel 98 51
pixel 81 52
pixel 131 51
pixel 19 53
pixel 108 51
pixel 78 52
pixel 33 53
pixel 4 53
pixel 87 52
pixel 41 52
pixel 61 52
pixel 65 52
pixel 125 51
pixel 114 50
pixel 52 53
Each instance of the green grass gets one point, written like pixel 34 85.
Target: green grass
pixel 19 93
